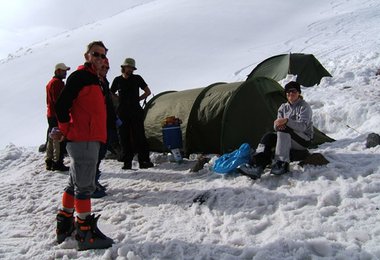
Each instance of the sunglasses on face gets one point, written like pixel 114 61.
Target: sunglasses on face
pixel 293 90
pixel 97 55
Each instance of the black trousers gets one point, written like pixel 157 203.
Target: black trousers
pixel 269 140
pixel 133 140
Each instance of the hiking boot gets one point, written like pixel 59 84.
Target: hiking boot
pixel 100 186
pixel 251 171
pixel 279 168
pixel 127 166
pixel 65 225
pixel 145 165
pixel 42 148
pixel 89 236
pixel 98 193
pixel 48 164
pixel 59 166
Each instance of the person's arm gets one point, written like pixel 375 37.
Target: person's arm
pixel 280 122
pixel 65 101
pixel 303 120
pixel 115 86
pixel 56 90
pixel 142 85
pixel 146 93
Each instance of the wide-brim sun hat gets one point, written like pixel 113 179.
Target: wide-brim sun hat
pixel 129 62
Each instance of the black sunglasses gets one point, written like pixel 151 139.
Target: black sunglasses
pixel 292 90
pixel 97 55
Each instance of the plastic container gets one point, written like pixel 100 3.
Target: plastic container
pixel 172 136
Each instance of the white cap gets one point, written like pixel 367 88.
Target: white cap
pixel 61 66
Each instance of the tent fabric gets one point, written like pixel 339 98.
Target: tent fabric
pixel 170 103
pixel 308 69
pixel 219 118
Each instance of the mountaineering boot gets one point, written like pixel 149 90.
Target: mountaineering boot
pixel 279 168
pixel 145 165
pixel 127 166
pixel 65 225
pixel 48 164
pixel 59 166
pixel 252 171
pixel 99 191
pixel 89 236
pixel 100 186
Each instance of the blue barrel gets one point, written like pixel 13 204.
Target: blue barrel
pixel 172 136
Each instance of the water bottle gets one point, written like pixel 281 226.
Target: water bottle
pixel 177 155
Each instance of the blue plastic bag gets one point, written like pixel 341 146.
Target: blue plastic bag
pixel 227 163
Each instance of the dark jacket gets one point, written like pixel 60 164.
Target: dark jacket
pixel 128 91
pixel 81 108
pixel 111 114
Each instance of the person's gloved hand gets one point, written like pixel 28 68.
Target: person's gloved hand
pixel 56 134
pixel 118 122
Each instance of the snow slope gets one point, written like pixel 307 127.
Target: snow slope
pixel 168 212
pixel 188 44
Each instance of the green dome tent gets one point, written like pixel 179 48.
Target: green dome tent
pixel 308 69
pixel 220 117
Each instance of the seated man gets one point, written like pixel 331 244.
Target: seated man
pixel 294 130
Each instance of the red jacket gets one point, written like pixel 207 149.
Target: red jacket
pixel 81 108
pixel 53 90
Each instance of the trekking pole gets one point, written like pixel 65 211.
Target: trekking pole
pixel 144 103
pixel 340 121
pixel 353 129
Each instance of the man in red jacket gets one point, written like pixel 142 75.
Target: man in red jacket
pixel 81 113
pixel 54 151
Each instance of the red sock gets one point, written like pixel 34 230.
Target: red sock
pixel 83 207
pixel 67 201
